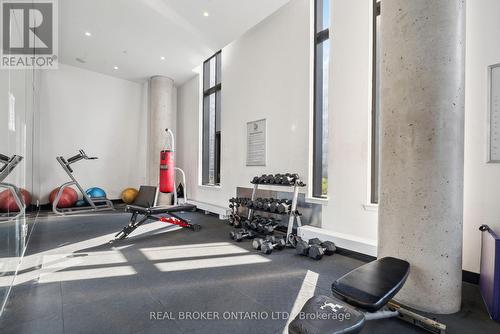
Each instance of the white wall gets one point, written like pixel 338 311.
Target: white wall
pixel 103 115
pixel 482 180
pixel 265 74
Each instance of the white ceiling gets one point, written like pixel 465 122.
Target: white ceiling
pixel 134 34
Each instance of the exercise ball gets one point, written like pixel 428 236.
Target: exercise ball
pixel 96 192
pixel 68 197
pixel 81 202
pixel 8 203
pixel 129 195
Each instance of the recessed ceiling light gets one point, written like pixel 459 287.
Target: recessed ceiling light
pixel 205 14
pixel 162 58
pixel 115 68
pixel 88 34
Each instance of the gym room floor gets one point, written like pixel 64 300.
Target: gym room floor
pixel 73 281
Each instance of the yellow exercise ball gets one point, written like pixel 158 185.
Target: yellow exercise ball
pixel 129 195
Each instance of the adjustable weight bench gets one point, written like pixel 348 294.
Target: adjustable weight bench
pixel 361 295
pixel 142 206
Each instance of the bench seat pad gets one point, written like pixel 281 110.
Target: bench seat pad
pixel 372 285
pixel 160 209
pixel 327 315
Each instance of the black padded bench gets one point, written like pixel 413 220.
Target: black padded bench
pixel 360 296
pixel 371 286
pixel 143 206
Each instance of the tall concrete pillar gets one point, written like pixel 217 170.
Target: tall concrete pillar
pixel 162 115
pixel 422 147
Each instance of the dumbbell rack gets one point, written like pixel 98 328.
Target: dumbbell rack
pixel 293 214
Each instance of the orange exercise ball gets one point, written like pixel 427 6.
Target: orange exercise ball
pixel 129 195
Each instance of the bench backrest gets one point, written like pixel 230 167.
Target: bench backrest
pixel 146 197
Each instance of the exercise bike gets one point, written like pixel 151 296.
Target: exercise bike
pixel 95 204
pixel 7 165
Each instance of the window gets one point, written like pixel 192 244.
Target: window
pixel 211 121
pixel 375 149
pixel 320 119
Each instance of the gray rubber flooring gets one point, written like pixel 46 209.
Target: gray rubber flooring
pixel 73 281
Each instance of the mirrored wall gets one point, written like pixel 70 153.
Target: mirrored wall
pixel 18 209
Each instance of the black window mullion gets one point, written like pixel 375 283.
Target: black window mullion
pixel 213 89
pixel 205 140
pixel 321 35
pixel 208 93
pixel 318 125
pixel 375 163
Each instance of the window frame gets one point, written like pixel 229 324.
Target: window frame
pixel 317 105
pixel 206 93
pixel 375 142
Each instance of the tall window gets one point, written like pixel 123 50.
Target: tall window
pixel 321 74
pixel 375 168
pixel 211 120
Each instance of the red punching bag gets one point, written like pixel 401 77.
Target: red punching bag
pixel 167 171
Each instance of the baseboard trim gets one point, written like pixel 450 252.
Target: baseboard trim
pixel 470 277
pixel 222 212
pixel 343 241
pixel 360 249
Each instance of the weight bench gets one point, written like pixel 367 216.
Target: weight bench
pixel 143 211
pixel 361 295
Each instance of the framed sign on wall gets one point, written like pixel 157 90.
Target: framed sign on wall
pixel 256 143
pixel 494 113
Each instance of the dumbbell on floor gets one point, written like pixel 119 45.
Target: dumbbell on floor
pixel 274 243
pixel 240 235
pixel 258 242
pixel 315 248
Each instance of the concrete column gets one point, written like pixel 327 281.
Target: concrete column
pixel 162 115
pixel 422 147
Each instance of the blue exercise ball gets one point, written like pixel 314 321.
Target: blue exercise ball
pixel 96 192
pixel 81 202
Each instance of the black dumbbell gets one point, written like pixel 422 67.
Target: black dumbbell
pixel 262 179
pixel 258 242
pixel 278 178
pixel 253 225
pixel 289 179
pixel 244 235
pixel 284 207
pixel 234 220
pixel 246 224
pixel 259 203
pixel 266 226
pixel 232 234
pixel 273 207
pixel 240 235
pixel 255 222
pixel 301 247
pixel 275 243
pixel 269 228
pixel 318 248
pixel 266 205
